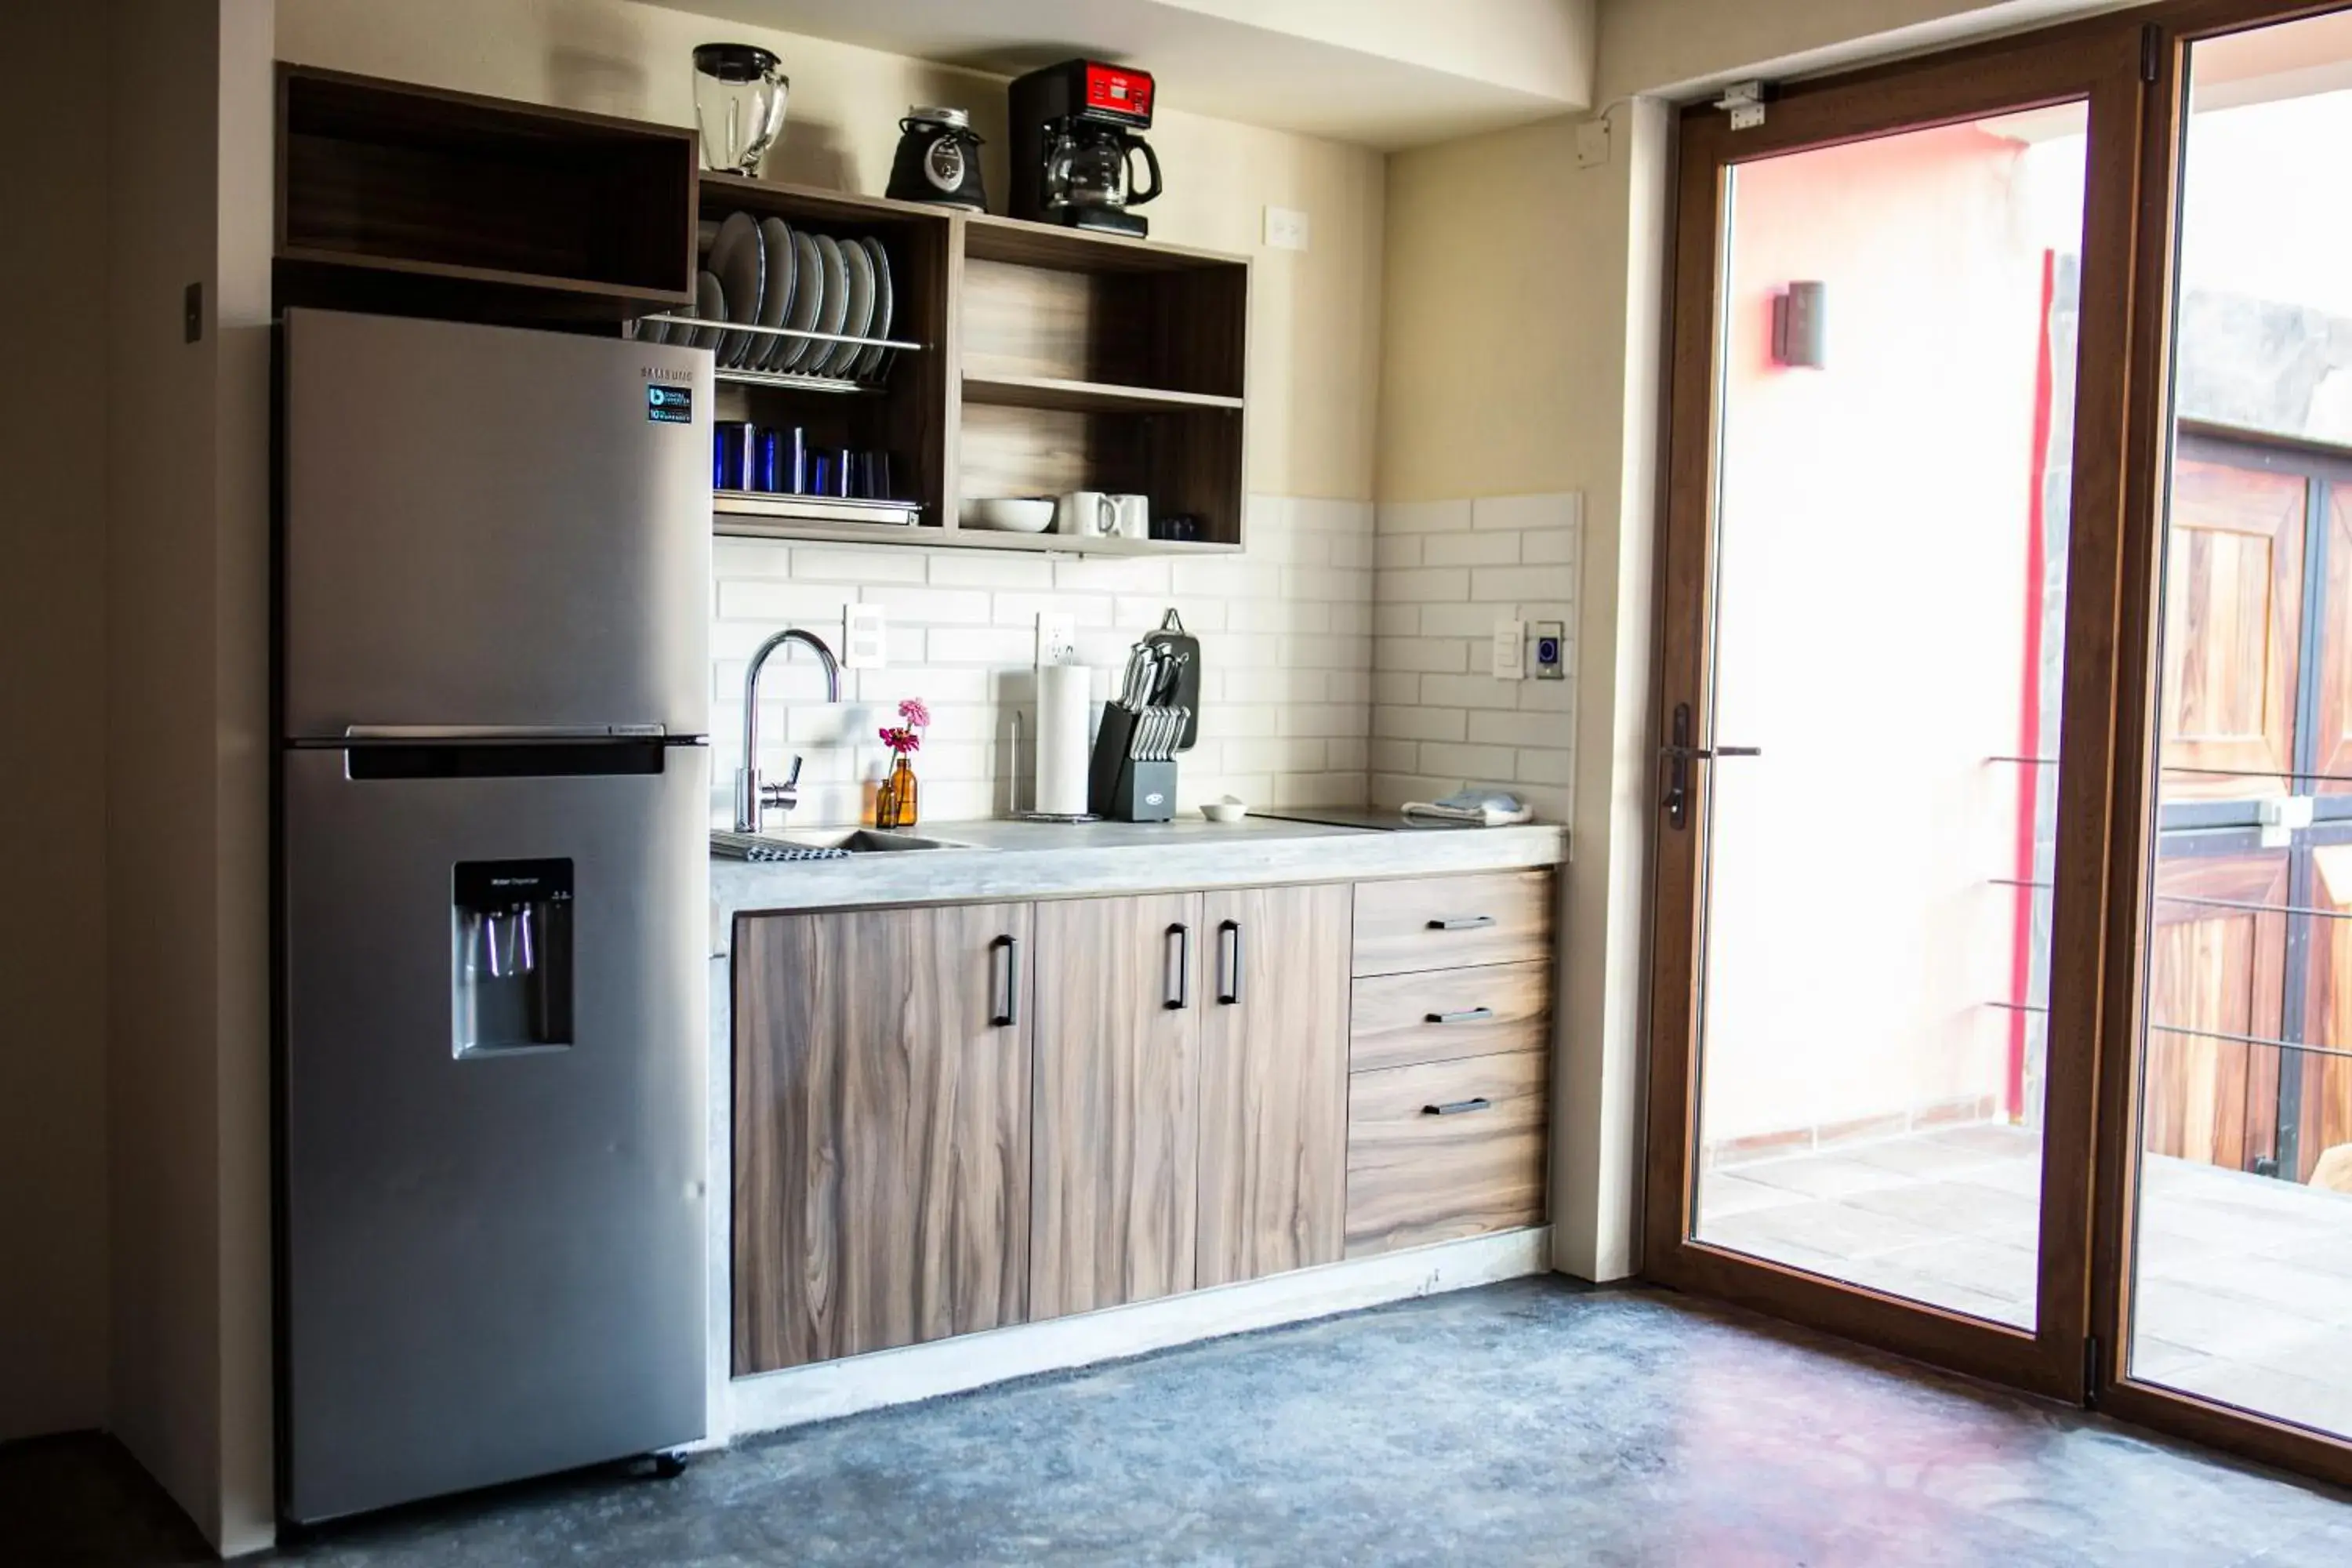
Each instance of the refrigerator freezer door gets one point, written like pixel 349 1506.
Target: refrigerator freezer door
pixel 494 1246
pixel 494 527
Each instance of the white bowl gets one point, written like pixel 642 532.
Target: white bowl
pixel 1009 514
pixel 1225 810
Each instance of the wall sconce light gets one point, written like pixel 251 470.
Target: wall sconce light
pixel 1800 326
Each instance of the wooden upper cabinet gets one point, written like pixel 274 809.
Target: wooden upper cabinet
pixel 1273 1080
pixel 881 1118
pixel 2233 617
pixel 2216 951
pixel 1115 1134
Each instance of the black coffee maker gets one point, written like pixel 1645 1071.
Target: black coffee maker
pixel 1073 142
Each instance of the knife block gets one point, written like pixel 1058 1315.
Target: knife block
pixel 1119 787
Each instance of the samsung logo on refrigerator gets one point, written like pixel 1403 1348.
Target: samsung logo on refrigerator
pixel 669 405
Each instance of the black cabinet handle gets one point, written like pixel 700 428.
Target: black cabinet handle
pixel 1457 1107
pixel 1467 1016
pixel 1008 1014
pixel 1461 922
pixel 1229 962
pixel 1180 994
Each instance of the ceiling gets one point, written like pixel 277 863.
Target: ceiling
pixel 1383 73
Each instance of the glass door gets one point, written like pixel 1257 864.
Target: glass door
pixel 1896 461
pixel 2234 1207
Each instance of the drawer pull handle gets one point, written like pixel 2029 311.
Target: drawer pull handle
pixel 1467 1016
pixel 1457 1107
pixel 1005 1017
pixel 1179 996
pixel 1461 922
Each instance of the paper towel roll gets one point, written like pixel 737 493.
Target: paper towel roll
pixel 1063 690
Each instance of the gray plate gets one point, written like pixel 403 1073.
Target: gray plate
pixel 711 304
pixel 776 298
pixel 833 308
pixel 740 259
pixel 860 267
pixel 808 297
pixel 870 360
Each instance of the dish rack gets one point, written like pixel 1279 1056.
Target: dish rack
pixel 794 380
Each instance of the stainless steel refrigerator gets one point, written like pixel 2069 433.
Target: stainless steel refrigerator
pixel 494 569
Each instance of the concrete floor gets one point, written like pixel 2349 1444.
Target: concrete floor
pixel 1529 1423
pixel 2245 1289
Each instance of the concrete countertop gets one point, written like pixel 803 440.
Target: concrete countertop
pixel 1046 859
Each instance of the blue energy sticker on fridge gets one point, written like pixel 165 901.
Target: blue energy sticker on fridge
pixel 669 405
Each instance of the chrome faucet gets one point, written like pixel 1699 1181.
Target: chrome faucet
pixel 753 798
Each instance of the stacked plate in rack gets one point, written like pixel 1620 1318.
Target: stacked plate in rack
pixel 763 272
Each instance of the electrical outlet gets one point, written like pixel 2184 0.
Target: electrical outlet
pixel 1510 650
pixel 1057 638
pixel 1551 650
pixel 864 638
pixel 1286 229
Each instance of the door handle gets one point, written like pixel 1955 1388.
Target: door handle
pixel 1180 994
pixel 1679 754
pixel 1005 1016
pixel 1229 962
pixel 1457 1107
pixel 1467 1016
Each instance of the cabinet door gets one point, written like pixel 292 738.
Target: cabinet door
pixel 2326 1107
pixel 2217 976
pixel 1116 1132
pixel 881 1129
pixel 2233 610
pixel 1273 1080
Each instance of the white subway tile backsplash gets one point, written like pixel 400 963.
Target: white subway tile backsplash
pixel 1287 633
pixel 1449 571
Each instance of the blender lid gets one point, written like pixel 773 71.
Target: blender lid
pixel 734 62
pixel 954 119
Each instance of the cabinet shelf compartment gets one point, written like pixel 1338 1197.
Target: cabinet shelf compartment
pixel 904 402
pixel 400 196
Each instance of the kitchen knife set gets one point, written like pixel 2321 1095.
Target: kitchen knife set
pixel 1132 777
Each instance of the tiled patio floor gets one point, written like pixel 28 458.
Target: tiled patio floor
pixel 2246 1291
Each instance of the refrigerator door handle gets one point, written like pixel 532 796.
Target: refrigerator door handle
pixel 410 734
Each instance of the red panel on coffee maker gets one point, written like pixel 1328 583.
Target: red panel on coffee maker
pixel 1119 91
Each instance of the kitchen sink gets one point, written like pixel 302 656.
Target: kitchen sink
pixel 807 843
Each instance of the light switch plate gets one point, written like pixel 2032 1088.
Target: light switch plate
pixel 1510 650
pixel 1286 229
pixel 1057 638
pixel 1551 650
pixel 864 638
pixel 1592 143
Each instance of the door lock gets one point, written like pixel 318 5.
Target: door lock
pixel 1679 754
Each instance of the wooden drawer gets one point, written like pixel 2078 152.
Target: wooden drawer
pixel 1416 1175
pixel 1445 1015
pixel 1444 923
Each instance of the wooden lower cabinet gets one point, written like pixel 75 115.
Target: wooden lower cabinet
pixel 1273 1080
pixel 881 1121
pixel 1114 1202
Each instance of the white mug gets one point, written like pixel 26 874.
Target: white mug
pixel 1087 513
pixel 1131 516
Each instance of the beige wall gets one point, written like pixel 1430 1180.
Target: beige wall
pixel 186 704
pixel 1315 328
pixel 52 734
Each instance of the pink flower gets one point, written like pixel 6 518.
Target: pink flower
pixel 915 713
pixel 902 740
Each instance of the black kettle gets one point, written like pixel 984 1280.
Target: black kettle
pixel 938 159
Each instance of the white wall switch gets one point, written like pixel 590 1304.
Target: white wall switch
pixel 1510 650
pixel 1286 229
pixel 864 638
pixel 1057 638
pixel 1551 650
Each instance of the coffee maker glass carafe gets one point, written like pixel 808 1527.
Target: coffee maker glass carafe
pixel 1088 166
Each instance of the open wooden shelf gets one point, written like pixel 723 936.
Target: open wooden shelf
pixel 1085 396
pixel 396 196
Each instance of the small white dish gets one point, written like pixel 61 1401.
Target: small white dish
pixel 1229 809
pixel 1009 514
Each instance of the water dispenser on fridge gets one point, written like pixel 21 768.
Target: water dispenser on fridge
pixel 510 963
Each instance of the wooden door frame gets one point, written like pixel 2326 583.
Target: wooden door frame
pixel 2099 63
pixel 2170 30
